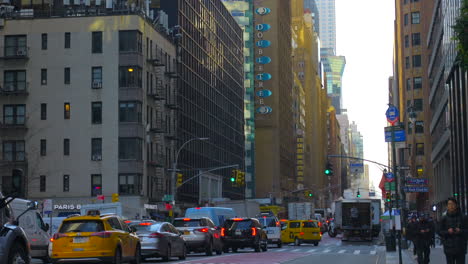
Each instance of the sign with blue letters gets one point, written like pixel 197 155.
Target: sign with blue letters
pixel 392 114
pixel 400 134
pixel 416 189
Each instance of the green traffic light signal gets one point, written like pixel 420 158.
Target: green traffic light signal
pixel 310 195
pixel 327 171
pixel 455 194
pixel 233 179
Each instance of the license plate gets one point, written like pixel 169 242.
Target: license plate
pixel 78 249
pixel 186 232
pixel 238 232
pixel 78 240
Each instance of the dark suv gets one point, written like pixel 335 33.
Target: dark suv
pixel 243 232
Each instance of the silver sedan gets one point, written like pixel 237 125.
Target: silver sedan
pixel 200 234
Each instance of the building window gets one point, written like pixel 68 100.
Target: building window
pixel 66 183
pixel 14 114
pixel 406 19
pixel 66 147
pixel 43 76
pixel 419 149
pixel 43 111
pixel 130 76
pixel 130 111
pixel 96 112
pixel 130 41
pixel 96 77
pixel 419 127
pixel 129 183
pixel 13 150
pixel 96 149
pixel 416 39
pixel 15 46
pixel 66 110
pixel 416 61
pixel 407 63
pixel 43 147
pixel 44 41
pixel 418 105
pixel 67 40
pixel 130 148
pixel 417 82
pixel 408 84
pixel 14 81
pixel 66 75
pixel 406 41
pixel 96 184
pixel 415 18
pixel 410 128
pixel 42 183
pixel 97 42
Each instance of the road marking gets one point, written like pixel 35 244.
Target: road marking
pixel 312 250
pixel 373 252
pixel 280 250
pixel 342 251
pixel 296 250
pixel 356 252
pixel 326 250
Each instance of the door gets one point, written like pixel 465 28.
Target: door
pixel 123 236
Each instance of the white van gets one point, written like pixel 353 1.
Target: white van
pixel 34 227
pixel 272 226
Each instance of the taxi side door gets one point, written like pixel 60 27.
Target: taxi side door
pixel 120 236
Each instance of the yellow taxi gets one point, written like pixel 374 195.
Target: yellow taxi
pixel 94 238
pixel 300 231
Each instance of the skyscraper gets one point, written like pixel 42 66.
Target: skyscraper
pixel 327 16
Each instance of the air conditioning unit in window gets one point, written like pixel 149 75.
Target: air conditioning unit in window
pixel 96 157
pixel 21 52
pixel 97 84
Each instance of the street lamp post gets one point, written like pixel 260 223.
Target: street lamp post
pixel 174 165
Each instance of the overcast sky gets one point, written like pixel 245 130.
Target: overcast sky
pixel 365 38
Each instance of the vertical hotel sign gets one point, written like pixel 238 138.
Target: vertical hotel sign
pixel 261 77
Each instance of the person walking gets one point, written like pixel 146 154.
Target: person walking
pixel 410 230
pixel 422 239
pixel 453 231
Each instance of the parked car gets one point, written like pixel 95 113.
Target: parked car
pixel 217 214
pixel 200 234
pixel 301 231
pixel 34 227
pixel 95 237
pixel 273 228
pixel 14 246
pixel 160 239
pixel 242 233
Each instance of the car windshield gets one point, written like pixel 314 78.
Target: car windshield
pixel 238 225
pixel 146 227
pixel 82 226
pixel 187 223
pixel 310 224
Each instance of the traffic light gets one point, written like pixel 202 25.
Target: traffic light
pixel 358 194
pixel 306 193
pixel 180 179
pixel 233 176
pixel 455 194
pixel 388 197
pixel 328 169
pixel 241 178
pixel 115 197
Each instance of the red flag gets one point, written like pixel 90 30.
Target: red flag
pixel 100 197
pixel 382 185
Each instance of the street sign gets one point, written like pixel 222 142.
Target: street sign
pixel 356 167
pixel 168 198
pixel 416 181
pixel 150 206
pixel 399 132
pixel 416 189
pixel 47 206
pixel 403 167
pixel 392 114
pixel 390 186
pixel 389 176
pixel 371 194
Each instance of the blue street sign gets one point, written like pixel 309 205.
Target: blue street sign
pixel 416 181
pixel 392 114
pixel 416 189
pixel 389 176
pixel 400 136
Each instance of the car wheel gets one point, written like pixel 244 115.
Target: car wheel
pixel 18 255
pixel 280 244
pixel 265 246
pixel 117 256
pixel 234 249
pixel 297 241
pixel 184 253
pixel 316 243
pixel 46 259
pixel 137 258
pixel 209 249
pixel 168 253
pixel 257 246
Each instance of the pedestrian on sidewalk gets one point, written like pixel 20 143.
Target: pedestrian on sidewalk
pixel 422 239
pixel 453 230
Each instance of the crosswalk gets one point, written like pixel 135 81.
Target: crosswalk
pixel 327 250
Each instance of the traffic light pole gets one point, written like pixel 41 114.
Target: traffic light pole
pixel 394 169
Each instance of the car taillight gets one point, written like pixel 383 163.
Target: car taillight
pixel 254 231
pixel 187 219
pixel 203 230
pixel 145 224
pixel 321 233
pixel 102 234
pixel 127 221
pixel 301 233
pixel 320 224
pixel 57 236
pixel 155 235
pixel 223 231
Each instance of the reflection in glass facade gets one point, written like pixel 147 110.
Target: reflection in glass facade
pixel 242 11
pixel 333 67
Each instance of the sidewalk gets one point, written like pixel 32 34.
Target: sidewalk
pixel 437 256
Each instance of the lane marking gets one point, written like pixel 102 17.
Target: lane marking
pixel 296 250
pixel 342 251
pixel 281 250
pixel 356 252
pixel 312 250
pixel 326 250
